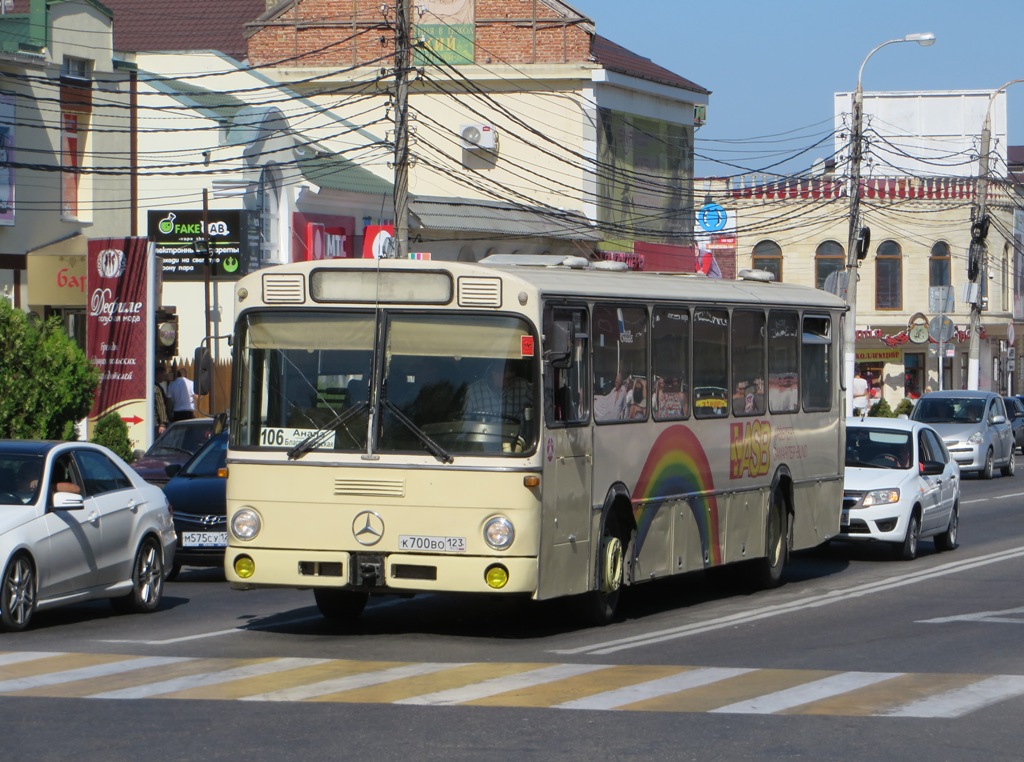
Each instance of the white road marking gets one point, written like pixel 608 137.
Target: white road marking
pixel 631 694
pixel 86 673
pixel 805 694
pixel 1004 617
pixel 22 656
pixel 963 700
pixel 498 685
pixel 352 682
pixel 810 602
pixel 208 678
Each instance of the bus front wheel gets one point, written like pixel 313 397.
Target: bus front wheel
pixel 600 606
pixel 339 605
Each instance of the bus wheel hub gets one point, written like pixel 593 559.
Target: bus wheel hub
pixel 611 564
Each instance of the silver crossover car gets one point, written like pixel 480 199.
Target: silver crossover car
pixel 76 523
pixel 974 427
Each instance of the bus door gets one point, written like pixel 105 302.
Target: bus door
pixel 567 451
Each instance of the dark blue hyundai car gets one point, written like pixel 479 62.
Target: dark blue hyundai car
pixel 197 497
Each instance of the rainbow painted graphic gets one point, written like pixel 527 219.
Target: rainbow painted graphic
pixel 677 466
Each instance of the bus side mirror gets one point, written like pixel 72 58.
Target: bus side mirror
pixel 560 342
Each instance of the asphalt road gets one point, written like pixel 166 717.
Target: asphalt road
pixel 856 657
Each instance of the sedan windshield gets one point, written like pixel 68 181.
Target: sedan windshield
pixel 20 476
pixel 949 410
pixel 878 448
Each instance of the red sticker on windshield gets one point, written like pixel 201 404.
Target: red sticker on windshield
pixel 526 346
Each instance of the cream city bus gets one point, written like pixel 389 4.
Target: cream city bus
pixel 525 429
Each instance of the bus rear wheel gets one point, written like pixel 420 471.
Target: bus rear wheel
pixel 768 570
pixel 339 605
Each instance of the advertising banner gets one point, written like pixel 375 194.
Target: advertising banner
pixel 175 233
pixel 321 236
pixel 446 31
pixel 117 326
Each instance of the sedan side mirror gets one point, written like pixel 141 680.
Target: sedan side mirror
pixel 932 467
pixel 68 501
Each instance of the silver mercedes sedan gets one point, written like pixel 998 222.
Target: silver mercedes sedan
pixel 76 524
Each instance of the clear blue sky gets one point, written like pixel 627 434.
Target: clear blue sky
pixel 773 67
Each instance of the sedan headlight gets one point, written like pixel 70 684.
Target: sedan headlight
pixel 499 533
pixel 246 524
pixel 976 438
pixel 881 497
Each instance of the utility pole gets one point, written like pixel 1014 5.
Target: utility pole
pixel 977 264
pixel 403 55
pixel 977 257
pixel 852 254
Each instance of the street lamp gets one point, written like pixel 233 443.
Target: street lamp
pixel 977 264
pixel 857 243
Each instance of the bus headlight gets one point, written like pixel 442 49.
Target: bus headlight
pixel 499 533
pixel 246 524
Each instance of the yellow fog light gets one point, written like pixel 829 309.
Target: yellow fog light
pixel 496 576
pixel 245 567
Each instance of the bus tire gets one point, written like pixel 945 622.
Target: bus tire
pixel 339 605
pixel 600 606
pixel 768 570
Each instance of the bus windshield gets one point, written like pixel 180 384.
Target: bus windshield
pixel 391 382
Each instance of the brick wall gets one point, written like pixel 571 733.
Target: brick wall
pixel 346 33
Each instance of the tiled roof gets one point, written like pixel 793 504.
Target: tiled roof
pixel 616 58
pixel 146 25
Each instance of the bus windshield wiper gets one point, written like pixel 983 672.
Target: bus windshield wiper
pixel 433 447
pixel 317 437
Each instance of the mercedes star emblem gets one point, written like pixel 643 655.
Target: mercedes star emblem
pixel 368 528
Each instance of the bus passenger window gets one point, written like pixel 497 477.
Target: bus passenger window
pixel 748 362
pixel 710 352
pixel 620 363
pixel 783 362
pixel 670 362
pixel 816 363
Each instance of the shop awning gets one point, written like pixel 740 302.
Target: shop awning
pixel 499 219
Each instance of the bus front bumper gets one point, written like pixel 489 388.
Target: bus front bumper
pixel 377 572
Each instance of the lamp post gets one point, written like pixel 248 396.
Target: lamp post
pixel 856 245
pixel 977 260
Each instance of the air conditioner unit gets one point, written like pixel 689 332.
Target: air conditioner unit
pixel 478 137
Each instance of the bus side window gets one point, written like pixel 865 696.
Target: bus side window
pixel 783 361
pixel 566 391
pixel 670 358
pixel 748 329
pixel 816 362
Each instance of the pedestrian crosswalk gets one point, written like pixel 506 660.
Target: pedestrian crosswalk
pixel 602 687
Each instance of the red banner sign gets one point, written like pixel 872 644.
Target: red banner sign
pixel 118 319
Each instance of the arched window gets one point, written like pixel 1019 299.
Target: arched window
pixel 889 276
pixel 767 255
pixel 829 257
pixel 939 265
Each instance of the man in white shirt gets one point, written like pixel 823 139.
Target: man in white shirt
pixel 860 393
pixel 183 396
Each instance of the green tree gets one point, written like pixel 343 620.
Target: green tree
pixel 906 407
pixel 46 378
pixel 881 409
pixel 111 431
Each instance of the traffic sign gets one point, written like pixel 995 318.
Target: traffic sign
pixel 712 217
pixel 940 329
